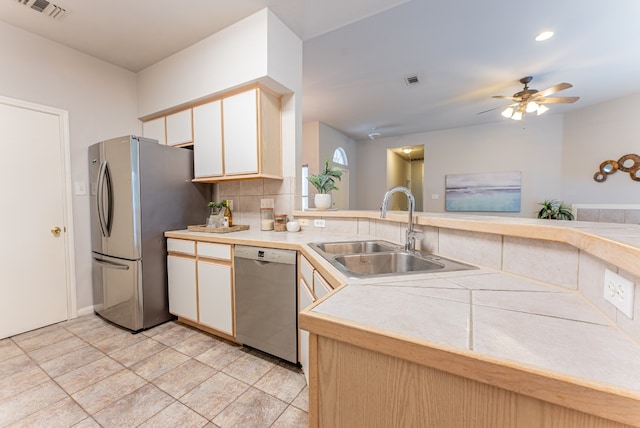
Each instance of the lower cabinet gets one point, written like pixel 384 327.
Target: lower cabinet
pixel 306 298
pixel 215 298
pixel 201 284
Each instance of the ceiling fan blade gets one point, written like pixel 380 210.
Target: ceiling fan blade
pixel 552 90
pixel 502 97
pixel 557 100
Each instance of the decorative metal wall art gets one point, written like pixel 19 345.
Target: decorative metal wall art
pixel 628 163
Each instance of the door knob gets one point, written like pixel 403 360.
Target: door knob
pixel 55 231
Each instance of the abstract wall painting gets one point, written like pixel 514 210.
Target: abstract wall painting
pixel 484 192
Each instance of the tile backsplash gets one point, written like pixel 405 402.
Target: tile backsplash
pixel 246 195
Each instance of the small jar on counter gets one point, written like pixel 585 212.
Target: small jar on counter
pixel 280 223
pixel 266 219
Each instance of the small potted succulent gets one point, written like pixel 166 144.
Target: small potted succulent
pixel 216 218
pixel 553 210
pixel 325 182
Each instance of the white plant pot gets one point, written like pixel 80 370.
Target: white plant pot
pixel 322 201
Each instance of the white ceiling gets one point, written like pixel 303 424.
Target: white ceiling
pixel 357 52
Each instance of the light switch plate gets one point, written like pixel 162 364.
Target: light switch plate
pixel 266 203
pixel 619 292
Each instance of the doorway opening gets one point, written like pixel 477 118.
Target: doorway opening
pixel 405 167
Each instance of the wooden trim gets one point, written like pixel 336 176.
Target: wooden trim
pixel 209 330
pixel 578 394
pixel 314 398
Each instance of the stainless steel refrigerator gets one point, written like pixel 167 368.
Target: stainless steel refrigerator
pixel 139 189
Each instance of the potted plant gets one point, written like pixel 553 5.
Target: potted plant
pixel 216 218
pixel 554 210
pixel 325 182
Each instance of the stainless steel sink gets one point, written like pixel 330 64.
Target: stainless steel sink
pixel 354 247
pixel 365 259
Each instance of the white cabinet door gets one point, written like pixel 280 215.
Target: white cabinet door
pixel 306 298
pixel 207 139
pixel 320 285
pixel 240 118
pixel 154 129
pixel 215 297
pixel 182 286
pixel 179 129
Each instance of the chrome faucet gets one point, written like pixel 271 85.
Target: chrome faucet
pixel 410 243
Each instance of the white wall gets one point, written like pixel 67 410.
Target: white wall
pixel 533 147
pixel 605 131
pixel 101 101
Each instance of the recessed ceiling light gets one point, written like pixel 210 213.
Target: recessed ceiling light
pixel 545 35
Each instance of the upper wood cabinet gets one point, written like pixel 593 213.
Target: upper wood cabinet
pixel 179 129
pixel 207 139
pixel 155 129
pixel 251 138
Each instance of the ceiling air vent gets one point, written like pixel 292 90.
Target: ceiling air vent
pixel 46 8
pixel 411 80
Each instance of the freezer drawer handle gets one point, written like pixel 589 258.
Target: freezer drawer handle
pixel 110 265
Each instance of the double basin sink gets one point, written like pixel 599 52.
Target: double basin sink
pixel 373 258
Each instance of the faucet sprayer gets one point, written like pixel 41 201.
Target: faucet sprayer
pixel 410 243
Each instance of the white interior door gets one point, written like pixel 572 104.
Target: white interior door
pixel 35 280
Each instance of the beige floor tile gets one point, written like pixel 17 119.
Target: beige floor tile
pixel 176 415
pixel 89 374
pixel 87 423
pixel 137 352
pixel 284 383
pixel 174 335
pixel 213 395
pixel 30 401
pixel 159 329
pixel 221 355
pixel 118 341
pixel 8 349
pixel 248 368
pixel 196 344
pixel 184 378
pixel 100 395
pixel 39 338
pixel 57 349
pixel 100 333
pixel 292 418
pixel 302 400
pixel 84 323
pixel 253 409
pixel 135 408
pixel 64 413
pixel 71 361
pixel 159 364
pixel 21 380
pixel 12 365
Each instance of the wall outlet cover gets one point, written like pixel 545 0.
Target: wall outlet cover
pixel 318 222
pixel 304 222
pixel 266 203
pixel 619 291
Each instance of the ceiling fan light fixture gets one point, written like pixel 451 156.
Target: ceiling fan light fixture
pixel 532 106
pixel 545 35
pixel 517 115
pixel 508 112
pixel 542 109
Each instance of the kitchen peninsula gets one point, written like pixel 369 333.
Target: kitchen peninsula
pixel 522 341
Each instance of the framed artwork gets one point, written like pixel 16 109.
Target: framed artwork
pixel 484 192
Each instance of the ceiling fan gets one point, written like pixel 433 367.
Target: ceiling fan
pixel 531 100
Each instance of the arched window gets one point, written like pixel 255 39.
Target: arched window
pixel 340 157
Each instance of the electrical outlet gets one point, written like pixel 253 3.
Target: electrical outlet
pixel 266 203
pixel 304 222
pixel 619 292
pixel 318 222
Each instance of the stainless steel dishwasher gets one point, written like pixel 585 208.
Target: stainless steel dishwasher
pixel 266 300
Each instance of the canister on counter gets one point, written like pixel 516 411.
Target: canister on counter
pixel 280 223
pixel 266 218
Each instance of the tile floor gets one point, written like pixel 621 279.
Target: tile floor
pixel 89 373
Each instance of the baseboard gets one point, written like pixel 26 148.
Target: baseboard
pixel 85 311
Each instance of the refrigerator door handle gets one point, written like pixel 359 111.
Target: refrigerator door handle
pixel 110 265
pixel 105 218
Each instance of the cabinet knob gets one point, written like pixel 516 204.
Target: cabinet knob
pixel 55 231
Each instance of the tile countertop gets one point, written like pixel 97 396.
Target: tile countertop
pixel 523 335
